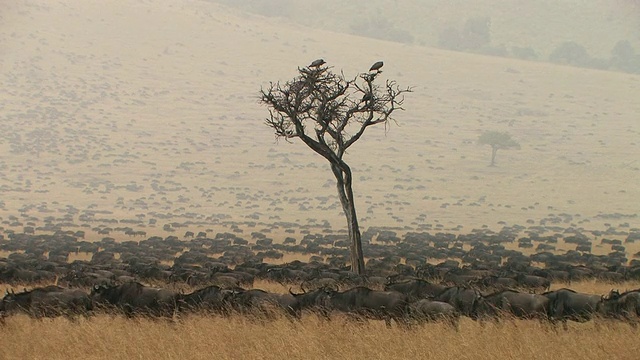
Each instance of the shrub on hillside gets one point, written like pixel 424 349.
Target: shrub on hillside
pixel 381 28
pixel 570 53
pixel 271 8
pixel 475 36
pixel 624 57
pixel 450 39
pixel 524 53
pixel 476 33
pixel 598 63
pixel 499 50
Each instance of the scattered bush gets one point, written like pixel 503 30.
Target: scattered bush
pixel 624 57
pixel 271 8
pixel 381 28
pixel 475 36
pixel 570 53
pixel 499 50
pixel 524 53
pixel 450 39
pixel 476 33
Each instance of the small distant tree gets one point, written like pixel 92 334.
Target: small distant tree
pixel 524 53
pixel 450 39
pixel 329 113
pixel 475 36
pixel 381 28
pixel 624 57
pixel 623 50
pixel 497 140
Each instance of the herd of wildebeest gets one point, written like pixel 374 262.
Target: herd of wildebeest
pixel 410 279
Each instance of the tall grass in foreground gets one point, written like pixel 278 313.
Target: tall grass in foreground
pixel 241 337
pixel 211 337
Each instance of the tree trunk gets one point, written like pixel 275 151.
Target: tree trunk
pixel 494 151
pixel 342 173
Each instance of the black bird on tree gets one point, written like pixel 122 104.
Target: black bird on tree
pixel 376 66
pixel 317 63
pixel 329 113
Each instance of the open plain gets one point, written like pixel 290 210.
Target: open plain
pixel 132 119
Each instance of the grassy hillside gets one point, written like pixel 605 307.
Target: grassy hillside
pixel 146 114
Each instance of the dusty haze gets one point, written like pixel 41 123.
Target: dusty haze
pixel 540 24
pixel 145 113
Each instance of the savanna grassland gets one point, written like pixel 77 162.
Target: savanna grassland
pixel 145 115
pixel 203 337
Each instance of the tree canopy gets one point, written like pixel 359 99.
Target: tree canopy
pixel 497 140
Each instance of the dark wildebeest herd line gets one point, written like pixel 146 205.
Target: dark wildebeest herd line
pixel 493 282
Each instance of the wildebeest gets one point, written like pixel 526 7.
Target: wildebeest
pixel 14 275
pixel 520 305
pixel 580 273
pixel 285 275
pixel 318 283
pixel 264 303
pixel 416 289
pixel 134 298
pixel 373 282
pixel 49 301
pixel 463 299
pixel 455 277
pixel 316 300
pixel 239 278
pixel 495 282
pixel 623 306
pixel 566 304
pixel 533 282
pixel 553 275
pixel 211 299
pixel 426 311
pixel 611 276
pixel 225 281
pixel 385 305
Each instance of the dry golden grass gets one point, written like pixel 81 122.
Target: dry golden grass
pixel 243 337
pixel 207 337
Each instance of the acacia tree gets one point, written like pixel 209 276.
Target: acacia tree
pixel 497 140
pixel 329 113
